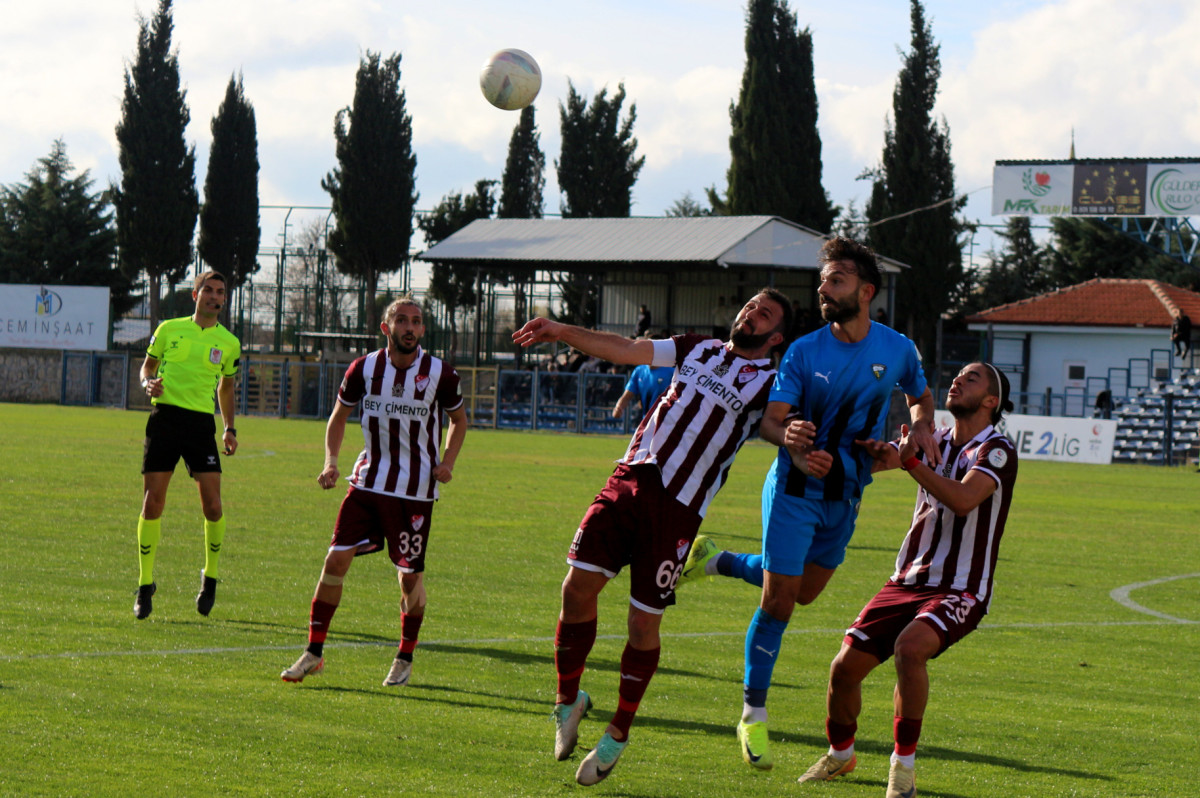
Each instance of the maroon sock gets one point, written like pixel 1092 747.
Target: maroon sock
pixel 637 669
pixel 906 732
pixel 410 626
pixel 572 644
pixel 841 735
pixel 318 625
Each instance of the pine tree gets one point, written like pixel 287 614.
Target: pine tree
pixel 54 231
pixel 453 284
pixel 912 205
pixel 229 229
pixel 156 202
pixel 596 172
pixel 373 187
pixel 598 165
pixel 1084 249
pixel 1019 271
pixel 524 172
pixel 775 148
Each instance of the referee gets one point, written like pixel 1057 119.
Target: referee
pixel 187 359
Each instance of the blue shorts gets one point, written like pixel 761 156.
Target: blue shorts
pixel 798 531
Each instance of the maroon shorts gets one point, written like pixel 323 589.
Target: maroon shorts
pixel 367 520
pixel 950 613
pixel 635 522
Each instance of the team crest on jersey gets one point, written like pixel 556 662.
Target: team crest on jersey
pixel 878 369
pixel 214 356
pixel 418 521
pixel 747 373
pixel 420 382
pixel 721 369
pixel 998 457
pixel 681 549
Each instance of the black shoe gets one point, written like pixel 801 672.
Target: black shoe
pixel 207 594
pixel 143 605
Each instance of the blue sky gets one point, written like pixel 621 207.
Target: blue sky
pixel 1017 76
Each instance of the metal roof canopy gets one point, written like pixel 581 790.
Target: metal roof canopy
pixel 657 244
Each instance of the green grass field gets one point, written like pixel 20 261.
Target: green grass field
pixel 1064 692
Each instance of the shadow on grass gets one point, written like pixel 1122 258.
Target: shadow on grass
pixel 547 658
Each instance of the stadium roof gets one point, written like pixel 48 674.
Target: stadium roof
pixel 1101 302
pixel 662 243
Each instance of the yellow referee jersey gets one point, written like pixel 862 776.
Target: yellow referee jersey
pixel 191 361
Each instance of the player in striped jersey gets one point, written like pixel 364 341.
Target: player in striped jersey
pixel 647 514
pixel 402 392
pixel 942 585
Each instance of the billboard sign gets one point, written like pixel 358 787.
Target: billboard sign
pixel 54 317
pixel 1066 440
pixel 1117 187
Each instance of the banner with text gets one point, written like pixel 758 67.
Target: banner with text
pixel 1070 440
pixel 54 317
pixel 1097 188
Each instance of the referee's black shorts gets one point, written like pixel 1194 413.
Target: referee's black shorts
pixel 173 432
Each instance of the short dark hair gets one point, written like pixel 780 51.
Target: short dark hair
pixel 866 263
pixel 1000 388
pixel 785 304
pixel 204 277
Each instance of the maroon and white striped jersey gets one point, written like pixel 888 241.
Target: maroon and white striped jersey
pixel 401 421
pixel 714 403
pixel 958 552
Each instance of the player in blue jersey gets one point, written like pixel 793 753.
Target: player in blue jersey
pixel 834 386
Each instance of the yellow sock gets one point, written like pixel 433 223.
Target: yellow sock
pixel 148 534
pixel 214 536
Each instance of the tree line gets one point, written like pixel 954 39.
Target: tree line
pixel 55 229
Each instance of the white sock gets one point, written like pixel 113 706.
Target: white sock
pixel 754 714
pixel 908 761
pixel 843 755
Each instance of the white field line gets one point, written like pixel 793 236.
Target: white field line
pixel 1121 596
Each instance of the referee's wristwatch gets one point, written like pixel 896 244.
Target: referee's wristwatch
pixel 232 431
pixel 145 383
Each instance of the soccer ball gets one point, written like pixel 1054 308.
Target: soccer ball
pixel 510 79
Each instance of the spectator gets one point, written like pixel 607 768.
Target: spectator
pixel 643 322
pixel 1181 334
pixel 881 317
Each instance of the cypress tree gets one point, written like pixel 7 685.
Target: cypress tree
pixel 229 229
pixel 156 202
pixel 775 148
pixel 373 187
pixel 521 198
pixel 912 208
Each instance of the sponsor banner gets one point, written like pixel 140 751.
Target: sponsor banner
pixel 1069 440
pixel 54 317
pixel 1099 188
pixel 1032 190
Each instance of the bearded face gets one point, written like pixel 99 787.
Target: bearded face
pixel 839 311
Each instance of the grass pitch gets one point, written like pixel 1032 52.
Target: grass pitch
pixel 1083 682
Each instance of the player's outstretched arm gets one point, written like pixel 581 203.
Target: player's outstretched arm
pixel 604 345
